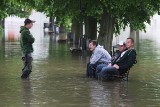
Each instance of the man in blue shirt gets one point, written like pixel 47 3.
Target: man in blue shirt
pixel 99 56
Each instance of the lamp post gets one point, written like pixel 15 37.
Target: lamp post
pixel 82 37
pixel 81 24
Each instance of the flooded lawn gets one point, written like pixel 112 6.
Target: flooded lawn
pixel 58 78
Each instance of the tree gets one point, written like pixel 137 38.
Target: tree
pixel 123 13
pixel 112 15
pixel 13 8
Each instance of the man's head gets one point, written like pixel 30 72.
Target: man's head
pixel 28 23
pixel 121 46
pixel 92 45
pixel 129 43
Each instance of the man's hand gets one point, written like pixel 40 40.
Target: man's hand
pixel 116 66
pixel 109 64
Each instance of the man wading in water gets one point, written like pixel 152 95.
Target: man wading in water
pixel 26 41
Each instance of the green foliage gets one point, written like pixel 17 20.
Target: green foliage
pixel 14 8
pixel 133 13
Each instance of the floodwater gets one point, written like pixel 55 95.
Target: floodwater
pixel 58 77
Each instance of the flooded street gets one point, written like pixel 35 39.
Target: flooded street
pixel 58 77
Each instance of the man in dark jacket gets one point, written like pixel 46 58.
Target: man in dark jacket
pixel 121 48
pixel 26 41
pixel 122 64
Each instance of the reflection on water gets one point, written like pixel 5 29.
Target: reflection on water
pixel 58 78
pixel 111 94
pixel 27 93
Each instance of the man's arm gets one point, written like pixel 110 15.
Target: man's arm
pixel 28 36
pixel 130 61
pixel 96 56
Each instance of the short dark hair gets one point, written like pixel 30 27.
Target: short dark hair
pixel 94 42
pixel 132 40
pixel 27 21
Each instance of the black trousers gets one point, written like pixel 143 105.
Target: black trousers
pixel 27 65
pixel 91 69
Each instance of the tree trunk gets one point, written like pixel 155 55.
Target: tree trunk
pixel 51 27
pixel 2 23
pixel 75 29
pixel 106 31
pixel 2 33
pixel 62 33
pixel 2 38
pixel 91 28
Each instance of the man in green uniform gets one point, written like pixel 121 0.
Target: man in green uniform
pixel 26 41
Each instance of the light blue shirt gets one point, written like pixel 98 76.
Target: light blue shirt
pixel 100 55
